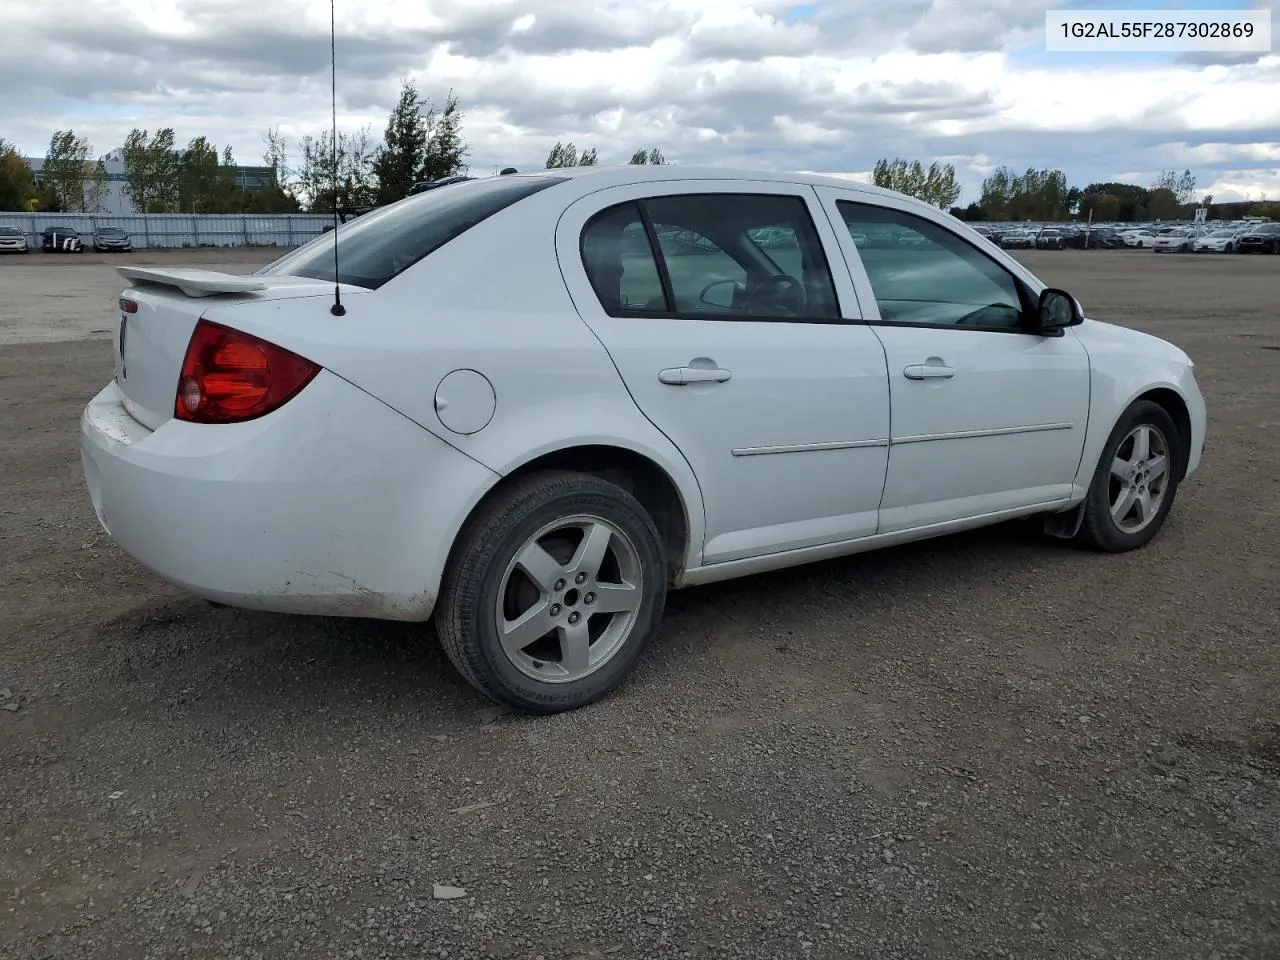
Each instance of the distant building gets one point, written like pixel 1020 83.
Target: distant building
pixel 251 179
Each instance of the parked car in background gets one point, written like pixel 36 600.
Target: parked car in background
pixel 1174 241
pixel 112 240
pixel 1049 240
pixel 1018 240
pixel 1263 238
pixel 1138 238
pixel 1103 238
pixel 13 239
pixel 581 431
pixel 1218 241
pixel 61 240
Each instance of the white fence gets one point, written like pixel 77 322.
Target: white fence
pixel 181 229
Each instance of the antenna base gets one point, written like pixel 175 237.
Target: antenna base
pixel 338 310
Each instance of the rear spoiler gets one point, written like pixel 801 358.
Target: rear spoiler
pixel 194 283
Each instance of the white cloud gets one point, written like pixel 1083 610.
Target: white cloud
pixel 741 82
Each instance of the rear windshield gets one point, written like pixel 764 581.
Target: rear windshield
pixel 385 242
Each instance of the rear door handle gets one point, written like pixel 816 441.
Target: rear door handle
pixel 929 371
pixel 677 376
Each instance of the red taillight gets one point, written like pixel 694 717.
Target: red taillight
pixel 229 376
pixel 128 306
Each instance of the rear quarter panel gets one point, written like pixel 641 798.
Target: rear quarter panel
pixel 492 300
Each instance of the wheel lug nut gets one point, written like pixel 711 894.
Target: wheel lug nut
pixel 559 584
pixel 555 609
pixel 575 617
pixel 580 578
pixel 589 598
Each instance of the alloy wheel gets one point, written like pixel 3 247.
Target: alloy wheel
pixel 569 599
pixel 1139 478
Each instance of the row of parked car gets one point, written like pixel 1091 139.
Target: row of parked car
pixel 1234 238
pixel 66 240
pixel 1170 238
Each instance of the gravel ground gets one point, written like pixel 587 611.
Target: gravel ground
pixel 986 746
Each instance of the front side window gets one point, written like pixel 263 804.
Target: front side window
pixel 710 256
pixel 923 274
pixel 382 244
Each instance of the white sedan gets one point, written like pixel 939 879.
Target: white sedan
pixel 1219 241
pixel 1138 238
pixel 546 399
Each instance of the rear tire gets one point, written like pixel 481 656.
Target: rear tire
pixel 564 551
pixel 1135 482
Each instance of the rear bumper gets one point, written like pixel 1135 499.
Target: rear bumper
pixel 333 505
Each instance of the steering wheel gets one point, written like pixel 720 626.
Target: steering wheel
pixel 778 288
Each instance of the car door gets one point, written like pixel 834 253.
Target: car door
pixel 988 416
pixel 716 301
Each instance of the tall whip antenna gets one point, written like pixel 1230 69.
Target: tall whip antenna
pixel 338 310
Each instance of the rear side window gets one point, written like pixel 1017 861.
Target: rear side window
pixel 714 256
pixel 385 242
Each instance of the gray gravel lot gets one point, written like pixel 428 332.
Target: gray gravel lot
pixel 985 746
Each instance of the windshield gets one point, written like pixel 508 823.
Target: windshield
pixel 10 232
pixel 110 232
pixel 385 242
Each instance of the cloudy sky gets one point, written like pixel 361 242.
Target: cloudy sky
pixel 823 85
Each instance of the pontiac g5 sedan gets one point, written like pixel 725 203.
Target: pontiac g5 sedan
pixel 531 405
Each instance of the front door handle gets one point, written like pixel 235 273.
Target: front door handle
pixel 678 376
pixel 935 369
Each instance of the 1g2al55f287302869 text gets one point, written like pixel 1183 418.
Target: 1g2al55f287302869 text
pixel 1234 31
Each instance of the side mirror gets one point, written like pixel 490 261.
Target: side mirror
pixel 720 294
pixel 1058 310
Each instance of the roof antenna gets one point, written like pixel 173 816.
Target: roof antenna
pixel 338 310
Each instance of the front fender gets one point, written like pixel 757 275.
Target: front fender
pixel 1120 374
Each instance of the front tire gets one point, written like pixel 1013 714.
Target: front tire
pixel 1135 481
pixel 555 589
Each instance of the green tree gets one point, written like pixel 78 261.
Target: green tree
pixel 1269 210
pixel 65 166
pixel 935 185
pixel 152 171
pixel 1032 195
pixel 1181 185
pixel 1132 199
pixel 1162 204
pixel 338 173
pixel 1103 207
pixel 17 183
pixel 276 156
pixel 404 146
pixel 566 155
pixel 201 180
pixel 652 157
pixel 447 149
pixel 96 186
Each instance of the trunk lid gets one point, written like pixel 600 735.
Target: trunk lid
pixel 151 342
